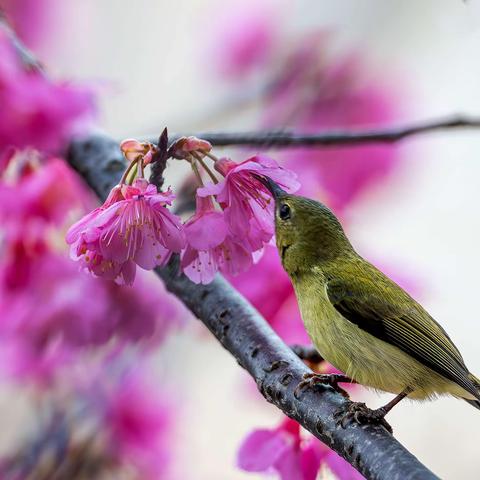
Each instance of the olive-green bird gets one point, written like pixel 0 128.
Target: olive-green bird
pixel 359 320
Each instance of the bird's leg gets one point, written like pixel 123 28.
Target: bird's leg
pixel 382 411
pixel 332 379
pixel 307 352
pixel 362 414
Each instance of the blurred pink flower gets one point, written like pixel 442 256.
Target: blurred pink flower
pixel 210 247
pixel 47 192
pixel 137 422
pixel 32 20
pixel 291 455
pixel 37 112
pixel 133 229
pixel 246 201
pixel 51 314
pixel 244 36
pixel 274 300
pixel 313 95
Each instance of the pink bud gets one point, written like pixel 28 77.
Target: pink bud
pixel 185 146
pixel 132 149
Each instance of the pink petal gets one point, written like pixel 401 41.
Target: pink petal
pixel 127 274
pixel 235 258
pixel 288 465
pixel 340 468
pixel 76 229
pixel 311 458
pixel 171 230
pixel 199 266
pixel 261 450
pixel 151 254
pixel 211 189
pixel 206 231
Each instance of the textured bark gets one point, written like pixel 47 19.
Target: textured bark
pixel 247 336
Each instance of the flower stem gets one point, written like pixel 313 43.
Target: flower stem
pixel 140 168
pixel 205 167
pixel 127 171
pixel 210 155
pixel 197 172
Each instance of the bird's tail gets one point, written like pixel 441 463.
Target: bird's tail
pixel 476 382
pixel 474 403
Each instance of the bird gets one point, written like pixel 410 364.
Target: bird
pixel 358 319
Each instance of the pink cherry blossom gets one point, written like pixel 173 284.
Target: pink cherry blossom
pixel 137 421
pixel 291 455
pixel 36 111
pixel 210 247
pixel 133 149
pixel 185 146
pixel 244 37
pixel 247 203
pixel 33 20
pixel 134 230
pixel 46 191
pixel 50 311
pixel 313 95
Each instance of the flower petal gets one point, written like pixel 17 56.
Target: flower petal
pixel 261 450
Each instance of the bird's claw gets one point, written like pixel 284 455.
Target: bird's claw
pixel 360 413
pixel 310 380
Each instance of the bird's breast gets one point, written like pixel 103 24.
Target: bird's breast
pixel 362 357
pixel 325 326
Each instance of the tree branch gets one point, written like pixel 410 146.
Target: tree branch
pixel 24 54
pixel 286 138
pixel 258 349
pixel 307 353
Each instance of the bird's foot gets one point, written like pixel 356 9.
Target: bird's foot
pixel 360 413
pixel 310 380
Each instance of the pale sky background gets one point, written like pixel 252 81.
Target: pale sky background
pixel 145 54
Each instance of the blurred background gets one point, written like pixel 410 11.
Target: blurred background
pixel 412 208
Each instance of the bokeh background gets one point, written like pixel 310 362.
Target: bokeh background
pixel 159 63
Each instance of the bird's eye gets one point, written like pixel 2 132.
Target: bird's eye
pixel 284 212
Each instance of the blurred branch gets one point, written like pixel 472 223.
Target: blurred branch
pixel 25 55
pixel 257 348
pixel 286 138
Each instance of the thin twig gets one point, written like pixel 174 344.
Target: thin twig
pixel 286 138
pixel 25 55
pixel 257 348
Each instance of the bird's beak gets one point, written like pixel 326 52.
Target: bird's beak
pixel 272 187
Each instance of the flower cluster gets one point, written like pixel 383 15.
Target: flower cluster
pixel 290 454
pixel 60 326
pixel 232 223
pixel 36 112
pixel 47 311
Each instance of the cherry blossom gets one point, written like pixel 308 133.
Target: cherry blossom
pixel 132 228
pixel 247 203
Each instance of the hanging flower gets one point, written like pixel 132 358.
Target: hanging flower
pixel 184 147
pixel 210 247
pixel 246 201
pixel 137 421
pixel 132 228
pixel 291 455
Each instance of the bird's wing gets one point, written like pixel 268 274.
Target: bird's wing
pixel 384 310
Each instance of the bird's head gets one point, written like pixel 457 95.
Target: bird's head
pixel 307 232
